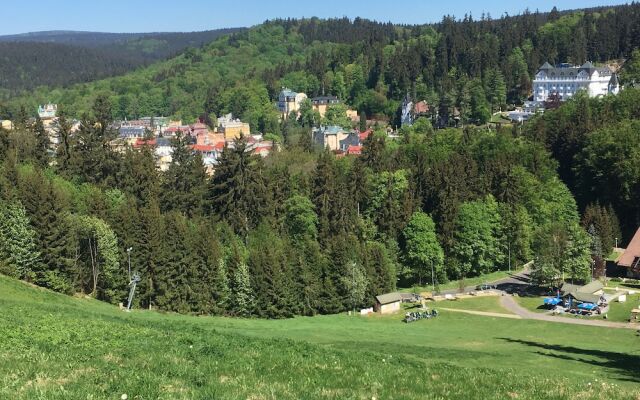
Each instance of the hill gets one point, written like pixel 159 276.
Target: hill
pixel 476 66
pixel 61 58
pixel 58 347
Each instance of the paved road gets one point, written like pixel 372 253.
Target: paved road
pixel 517 282
pixel 512 305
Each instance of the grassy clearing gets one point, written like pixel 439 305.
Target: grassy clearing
pixel 487 278
pixel 479 303
pixel 57 347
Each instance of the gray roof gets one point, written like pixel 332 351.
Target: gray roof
pixel 568 288
pixel 591 287
pixel 614 80
pixel 586 297
pixel 388 298
pixel 572 71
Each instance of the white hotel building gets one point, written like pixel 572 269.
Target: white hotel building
pixel 567 79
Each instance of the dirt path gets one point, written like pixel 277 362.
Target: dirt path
pixel 484 313
pixel 512 305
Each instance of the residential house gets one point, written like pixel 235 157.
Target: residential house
pixel 630 259
pixel 289 101
pixel 388 303
pixel 321 103
pixel 6 124
pixel 232 128
pixel 335 138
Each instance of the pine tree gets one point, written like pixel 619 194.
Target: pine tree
pixel 184 183
pixel 42 143
pixel 56 236
pixel 237 193
pixel 18 244
pixel 243 300
pixel 221 292
pixel 64 149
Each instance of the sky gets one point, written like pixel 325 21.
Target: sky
pixel 19 16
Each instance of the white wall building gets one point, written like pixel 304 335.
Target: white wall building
pixel 567 79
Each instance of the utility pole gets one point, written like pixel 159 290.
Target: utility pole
pixel 433 281
pixel 129 257
pixel 133 283
pixel 509 245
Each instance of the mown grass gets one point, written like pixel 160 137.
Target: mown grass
pixel 57 347
pixel 479 303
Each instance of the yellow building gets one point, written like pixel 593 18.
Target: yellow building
pixel 6 124
pixel 232 128
pixel 321 103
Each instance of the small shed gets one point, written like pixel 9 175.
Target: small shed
pixel 388 303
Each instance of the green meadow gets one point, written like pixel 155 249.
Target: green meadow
pixel 58 347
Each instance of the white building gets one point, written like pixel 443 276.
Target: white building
pixel 566 80
pixel 47 111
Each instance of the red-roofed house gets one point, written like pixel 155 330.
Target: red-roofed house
pixel 354 150
pixel 262 150
pixel 630 259
pixel 144 142
pixel 364 135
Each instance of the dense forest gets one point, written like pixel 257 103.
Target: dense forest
pixel 55 59
pixel 300 232
pixel 473 65
pixel 305 232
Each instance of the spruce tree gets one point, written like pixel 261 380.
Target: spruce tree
pixel 41 152
pixel 18 243
pixel 243 300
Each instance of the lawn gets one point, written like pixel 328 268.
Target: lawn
pixel 486 278
pixel 479 303
pixel 58 347
pixel 621 311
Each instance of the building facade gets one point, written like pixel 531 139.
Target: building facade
pixel 289 101
pixel 566 80
pixel 335 138
pixel 321 103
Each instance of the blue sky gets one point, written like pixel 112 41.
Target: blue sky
pixel 194 15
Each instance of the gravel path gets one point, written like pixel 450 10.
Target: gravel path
pixel 483 313
pixel 512 305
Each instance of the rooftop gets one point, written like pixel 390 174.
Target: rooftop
pixel 631 252
pixel 388 298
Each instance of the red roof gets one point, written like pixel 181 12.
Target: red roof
pixel 632 252
pixel 354 150
pixel 219 146
pixel 421 107
pixel 364 135
pixel 260 149
pixel 142 142
pixel 205 148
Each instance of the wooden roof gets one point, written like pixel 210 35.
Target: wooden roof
pixel 632 251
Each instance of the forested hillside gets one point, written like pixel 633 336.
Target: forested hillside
pixel 304 232
pixel 61 58
pixel 475 65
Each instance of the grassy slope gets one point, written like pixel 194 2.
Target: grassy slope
pixel 56 347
